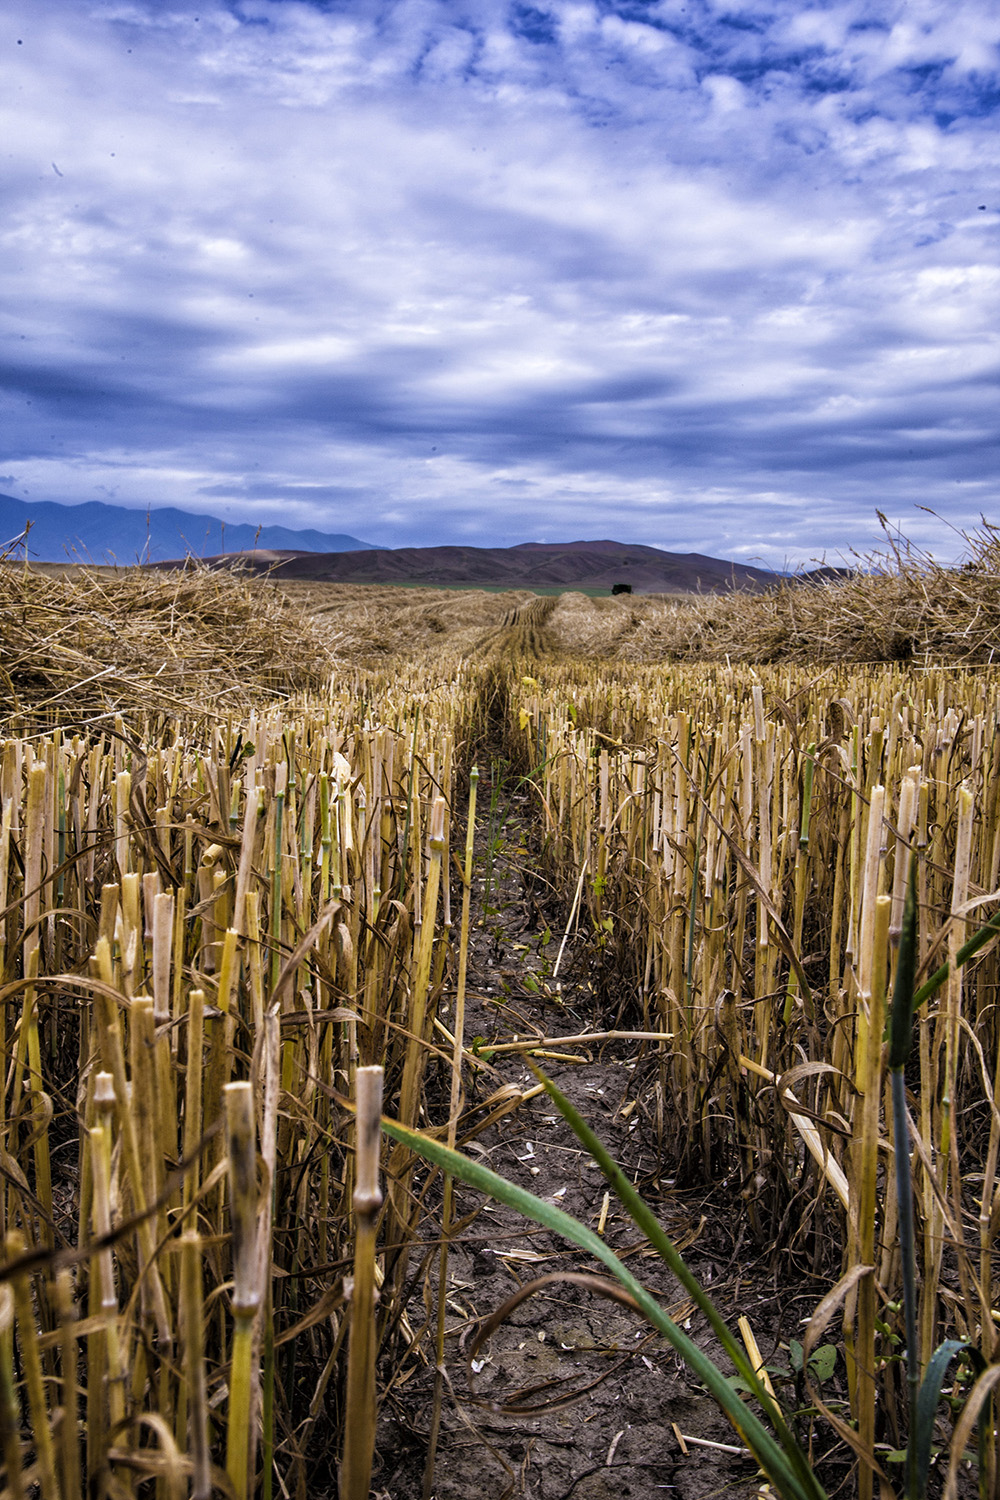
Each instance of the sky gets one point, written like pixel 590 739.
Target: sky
pixel 712 275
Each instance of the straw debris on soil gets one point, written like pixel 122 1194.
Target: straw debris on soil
pixel 88 642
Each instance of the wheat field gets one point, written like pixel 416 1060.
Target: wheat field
pixel 234 874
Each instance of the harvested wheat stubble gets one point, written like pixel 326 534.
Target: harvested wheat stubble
pixel 87 644
pixel 155 890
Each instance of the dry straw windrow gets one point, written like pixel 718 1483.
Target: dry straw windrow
pixel 90 642
pixel 897 606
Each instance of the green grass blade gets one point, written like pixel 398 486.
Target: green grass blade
pixel 927 1399
pixel 900 1040
pixel 783 1477
pixel 644 1218
pixel 969 949
pixel 903 998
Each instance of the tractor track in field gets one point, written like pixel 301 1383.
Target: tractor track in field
pixel 506 1428
pixel 521 634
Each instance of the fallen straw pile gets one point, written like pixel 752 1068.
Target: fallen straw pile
pixel 898 607
pixel 93 643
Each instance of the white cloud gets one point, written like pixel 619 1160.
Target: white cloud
pixel 717 263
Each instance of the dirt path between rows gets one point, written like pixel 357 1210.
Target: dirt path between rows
pixel 512 1433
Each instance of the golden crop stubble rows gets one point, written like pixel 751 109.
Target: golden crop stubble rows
pixel 739 840
pixel 181 914
pixel 184 911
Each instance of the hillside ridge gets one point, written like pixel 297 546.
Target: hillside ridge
pixel 573 565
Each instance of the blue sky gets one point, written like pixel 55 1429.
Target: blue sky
pixel 713 275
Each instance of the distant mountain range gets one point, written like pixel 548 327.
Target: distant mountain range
pixel 563 565
pixel 100 533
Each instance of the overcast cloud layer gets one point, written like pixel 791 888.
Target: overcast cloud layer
pixel 715 275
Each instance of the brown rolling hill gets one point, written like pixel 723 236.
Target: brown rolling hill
pixel 530 565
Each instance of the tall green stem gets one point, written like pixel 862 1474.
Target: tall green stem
pixel 900 1039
